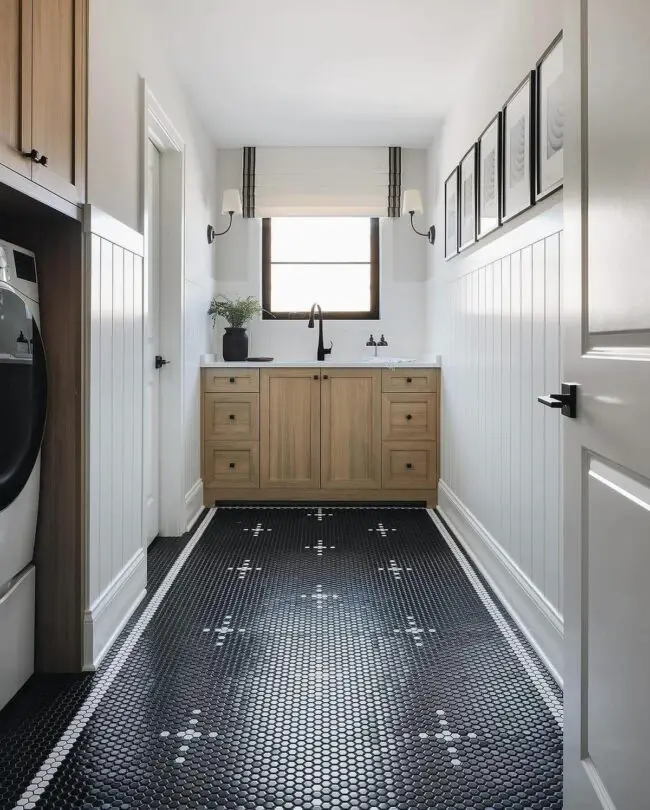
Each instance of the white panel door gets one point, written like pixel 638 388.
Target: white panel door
pixel 151 348
pixel 606 350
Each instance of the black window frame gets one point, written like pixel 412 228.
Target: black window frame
pixel 369 315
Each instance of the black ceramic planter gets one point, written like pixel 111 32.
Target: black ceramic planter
pixel 235 344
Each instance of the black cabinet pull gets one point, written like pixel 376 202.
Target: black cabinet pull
pixel 232 379
pixel 32 154
pixel 315 376
pixel 409 380
pixel 232 465
pixel 42 160
pixel 325 377
pixel 232 417
pixel 409 466
pixel 408 417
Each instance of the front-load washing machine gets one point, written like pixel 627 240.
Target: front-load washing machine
pixel 23 404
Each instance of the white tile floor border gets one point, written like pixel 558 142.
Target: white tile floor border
pixel 541 682
pixel 48 769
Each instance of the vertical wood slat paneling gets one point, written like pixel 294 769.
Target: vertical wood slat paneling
pixel 501 449
pixel 115 434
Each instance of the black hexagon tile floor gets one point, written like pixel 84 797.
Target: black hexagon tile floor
pixel 313 658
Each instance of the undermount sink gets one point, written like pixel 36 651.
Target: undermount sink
pixel 386 361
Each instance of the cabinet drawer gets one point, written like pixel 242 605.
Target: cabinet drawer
pixel 409 417
pixel 409 465
pixel 413 379
pixel 231 464
pixel 225 380
pixel 231 417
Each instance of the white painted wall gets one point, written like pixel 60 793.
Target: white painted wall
pixel 493 314
pixel 403 274
pixel 123 50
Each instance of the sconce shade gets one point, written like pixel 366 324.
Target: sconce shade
pixel 231 201
pixel 412 201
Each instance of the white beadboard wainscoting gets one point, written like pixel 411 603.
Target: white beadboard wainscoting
pixel 500 487
pixel 115 559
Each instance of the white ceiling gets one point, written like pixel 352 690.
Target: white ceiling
pixel 323 72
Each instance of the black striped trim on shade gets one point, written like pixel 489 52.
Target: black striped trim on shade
pixel 248 183
pixel 394 180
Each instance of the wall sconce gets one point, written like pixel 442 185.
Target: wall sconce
pixel 231 205
pixel 412 205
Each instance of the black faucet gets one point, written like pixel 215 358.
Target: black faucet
pixel 322 351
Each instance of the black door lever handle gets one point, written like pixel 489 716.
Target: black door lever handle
pixel 567 400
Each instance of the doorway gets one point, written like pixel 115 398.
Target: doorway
pixel 163 223
pixel 153 362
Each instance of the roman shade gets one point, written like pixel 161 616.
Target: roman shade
pixel 322 181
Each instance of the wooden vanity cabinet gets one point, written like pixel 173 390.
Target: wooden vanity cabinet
pixel 320 434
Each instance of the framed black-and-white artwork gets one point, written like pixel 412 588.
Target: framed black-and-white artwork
pixel 467 206
pixel 451 214
pixel 550 116
pixel 518 149
pixel 488 178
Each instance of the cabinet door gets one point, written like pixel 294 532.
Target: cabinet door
pixel 351 429
pixel 58 96
pixel 290 428
pixel 15 84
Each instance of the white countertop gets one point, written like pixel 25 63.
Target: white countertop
pixel 208 361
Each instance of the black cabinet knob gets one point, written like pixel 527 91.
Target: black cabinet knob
pixel 409 380
pixel 42 160
pixel 232 465
pixel 232 379
pixel 409 466
pixel 232 417
pixel 325 377
pixel 409 417
pixel 315 376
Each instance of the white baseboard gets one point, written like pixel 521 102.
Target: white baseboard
pixel 106 617
pixel 193 503
pixel 530 609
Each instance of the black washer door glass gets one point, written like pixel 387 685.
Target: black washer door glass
pixel 23 394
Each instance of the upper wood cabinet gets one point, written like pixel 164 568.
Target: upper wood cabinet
pixel 15 17
pixel 351 429
pixel 290 419
pixel 43 92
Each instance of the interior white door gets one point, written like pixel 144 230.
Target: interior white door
pixel 151 348
pixel 606 350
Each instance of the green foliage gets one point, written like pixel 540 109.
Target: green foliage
pixel 236 311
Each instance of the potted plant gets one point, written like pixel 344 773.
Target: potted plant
pixel 236 312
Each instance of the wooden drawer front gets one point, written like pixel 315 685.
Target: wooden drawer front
pixel 415 379
pixel 231 417
pixel 409 417
pixel 227 381
pixel 409 465
pixel 231 464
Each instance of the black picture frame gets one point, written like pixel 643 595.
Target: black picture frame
pixel 481 229
pixel 543 192
pixel 451 244
pixel 468 158
pixel 528 196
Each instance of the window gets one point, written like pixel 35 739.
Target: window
pixel 333 261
